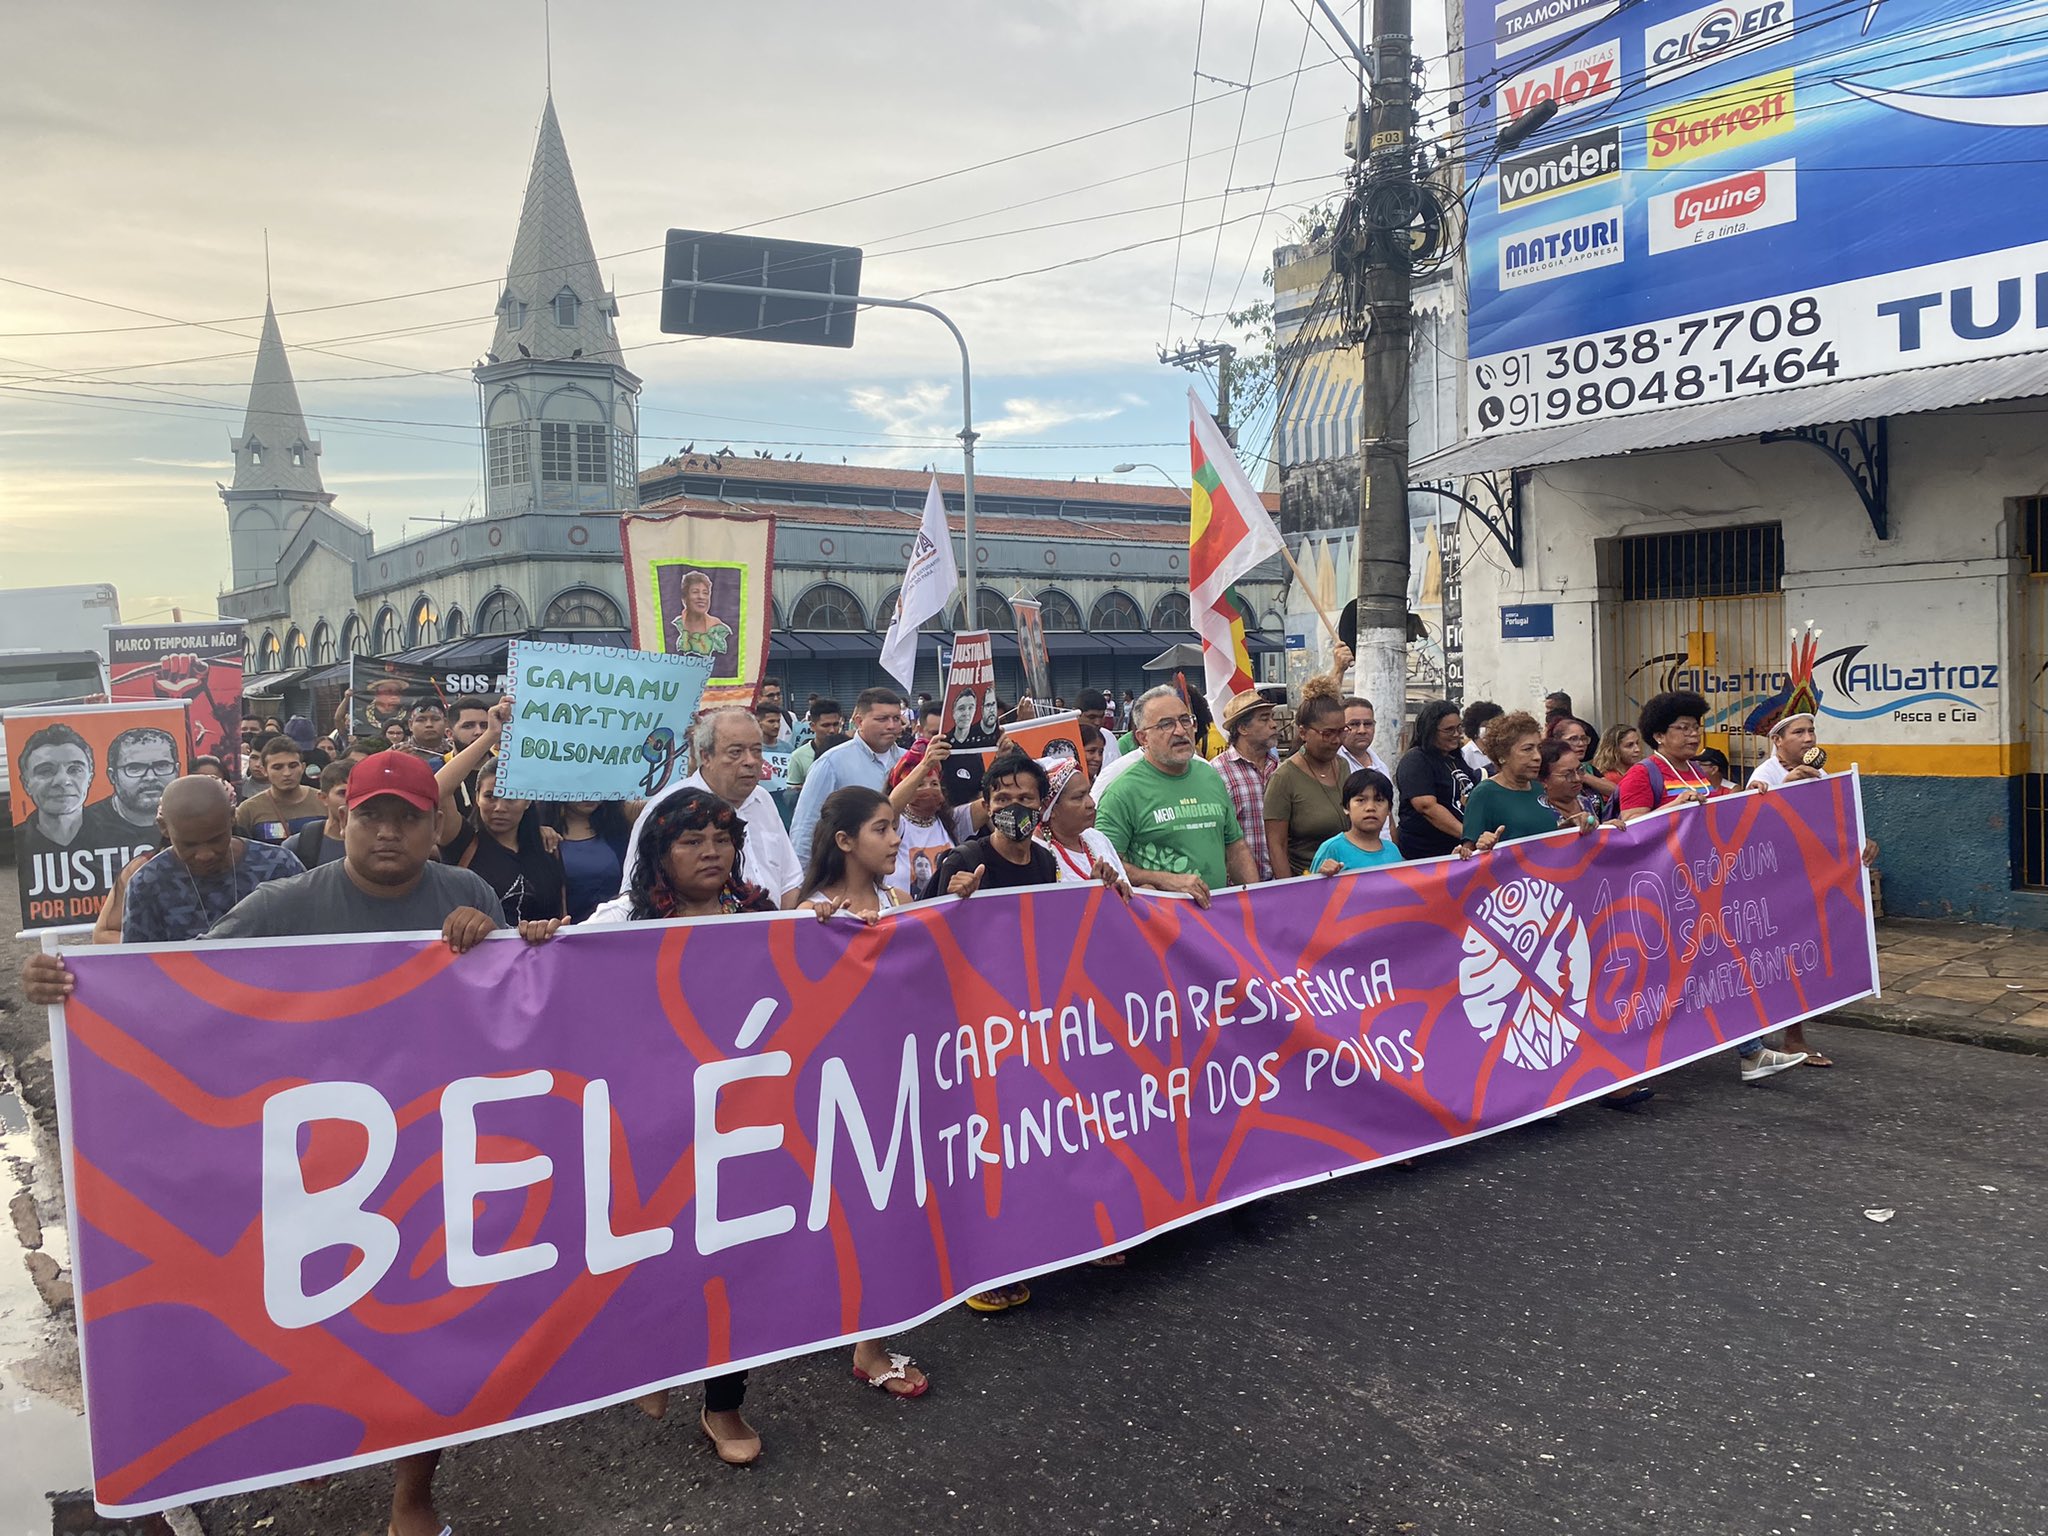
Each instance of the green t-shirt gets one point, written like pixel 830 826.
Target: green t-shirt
pixel 1524 812
pixel 1314 814
pixel 1176 824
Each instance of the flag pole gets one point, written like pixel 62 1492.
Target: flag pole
pixel 1310 588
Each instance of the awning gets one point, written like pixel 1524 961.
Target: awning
pixel 266 683
pixel 1889 394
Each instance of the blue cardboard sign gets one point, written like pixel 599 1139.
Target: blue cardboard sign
pixel 592 723
pixel 1528 621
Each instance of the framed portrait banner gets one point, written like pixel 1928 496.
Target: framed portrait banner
pixel 698 584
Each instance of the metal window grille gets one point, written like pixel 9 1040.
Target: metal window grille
pixel 1703 610
pixel 557 453
pixel 2030 826
pixel 590 454
pixel 509 464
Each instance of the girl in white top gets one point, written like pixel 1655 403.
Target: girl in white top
pixel 1083 853
pixel 853 857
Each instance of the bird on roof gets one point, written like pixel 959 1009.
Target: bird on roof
pixel 691 449
pixel 491 356
pixel 725 452
pixel 524 350
pixel 576 354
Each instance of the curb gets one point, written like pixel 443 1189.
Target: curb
pixel 2020 1039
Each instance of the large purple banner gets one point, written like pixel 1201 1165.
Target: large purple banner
pixel 333 1201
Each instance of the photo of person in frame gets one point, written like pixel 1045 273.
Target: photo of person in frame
pixel 700 608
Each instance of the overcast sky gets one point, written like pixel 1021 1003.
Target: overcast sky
pixel 385 147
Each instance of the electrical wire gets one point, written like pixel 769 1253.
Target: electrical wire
pixel 1186 166
pixel 1244 103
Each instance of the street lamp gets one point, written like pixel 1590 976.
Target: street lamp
pixel 1125 469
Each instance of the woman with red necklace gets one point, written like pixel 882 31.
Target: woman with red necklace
pixel 1069 829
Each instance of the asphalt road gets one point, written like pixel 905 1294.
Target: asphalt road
pixel 1676 1319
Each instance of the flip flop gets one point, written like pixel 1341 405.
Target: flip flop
pixel 881 1379
pixel 1815 1059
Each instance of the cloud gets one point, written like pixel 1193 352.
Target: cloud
pixel 929 410
pixel 218 466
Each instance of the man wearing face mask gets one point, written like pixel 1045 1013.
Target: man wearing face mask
pixel 1013 791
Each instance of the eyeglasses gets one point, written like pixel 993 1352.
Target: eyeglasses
pixel 1173 723
pixel 155 770
pixel 1327 732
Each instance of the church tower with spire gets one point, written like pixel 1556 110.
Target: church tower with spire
pixel 560 407
pixel 277 465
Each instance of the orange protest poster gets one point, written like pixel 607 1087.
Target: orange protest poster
pixel 86 779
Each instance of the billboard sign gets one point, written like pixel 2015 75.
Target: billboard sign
pixel 1748 196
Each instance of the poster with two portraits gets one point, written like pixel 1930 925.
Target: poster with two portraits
pixel 971 718
pixel 85 780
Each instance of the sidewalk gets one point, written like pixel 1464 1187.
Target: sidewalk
pixel 1956 981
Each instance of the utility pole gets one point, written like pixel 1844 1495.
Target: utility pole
pixel 1223 355
pixel 1383 259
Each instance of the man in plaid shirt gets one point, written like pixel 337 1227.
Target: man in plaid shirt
pixel 1246 765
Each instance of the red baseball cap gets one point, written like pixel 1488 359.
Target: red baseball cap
pixel 394 773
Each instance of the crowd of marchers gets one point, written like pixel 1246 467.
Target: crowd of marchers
pixel 406 832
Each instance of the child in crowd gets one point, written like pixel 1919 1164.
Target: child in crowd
pixel 1714 762
pixel 1368 801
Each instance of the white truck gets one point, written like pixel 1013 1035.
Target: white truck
pixel 53 648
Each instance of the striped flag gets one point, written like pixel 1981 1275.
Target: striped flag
pixel 1229 533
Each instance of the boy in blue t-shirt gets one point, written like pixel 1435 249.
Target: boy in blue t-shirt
pixel 1368 801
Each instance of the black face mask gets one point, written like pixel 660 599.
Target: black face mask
pixel 1016 822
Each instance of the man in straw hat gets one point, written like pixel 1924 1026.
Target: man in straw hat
pixel 1247 766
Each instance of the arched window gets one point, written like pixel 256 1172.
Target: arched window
pixel 298 455
pixel 295 647
pixel 255 451
pixel 1056 610
pixel 828 606
pixel 885 614
pixel 993 611
pixel 267 652
pixel 582 608
pixel 1170 614
pixel 384 639
pixel 453 625
pixel 572 440
pixel 323 643
pixel 423 625
pixel 506 441
pixel 513 311
pixel 565 309
pixel 775 612
pixel 1115 610
pixel 500 614
pixel 352 635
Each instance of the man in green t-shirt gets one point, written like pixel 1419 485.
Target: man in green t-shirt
pixel 1168 815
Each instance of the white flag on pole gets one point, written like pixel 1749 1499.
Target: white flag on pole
pixel 928 585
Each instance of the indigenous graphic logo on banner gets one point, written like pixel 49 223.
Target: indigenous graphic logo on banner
pixel 86 782
pixel 199 663
pixel 1747 196
pixel 336 1199
pixel 591 723
pixel 1031 651
pixel 698 584
pixel 1230 533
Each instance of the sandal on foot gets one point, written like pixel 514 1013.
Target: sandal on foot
pixel 1815 1059
pixel 896 1372
pixel 990 1301
pixel 1109 1261
pixel 742 1451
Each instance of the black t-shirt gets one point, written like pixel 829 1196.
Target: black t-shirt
pixel 529 883
pixel 1446 779
pixel 1041 869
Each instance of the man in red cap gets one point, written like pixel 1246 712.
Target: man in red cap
pixel 387 882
